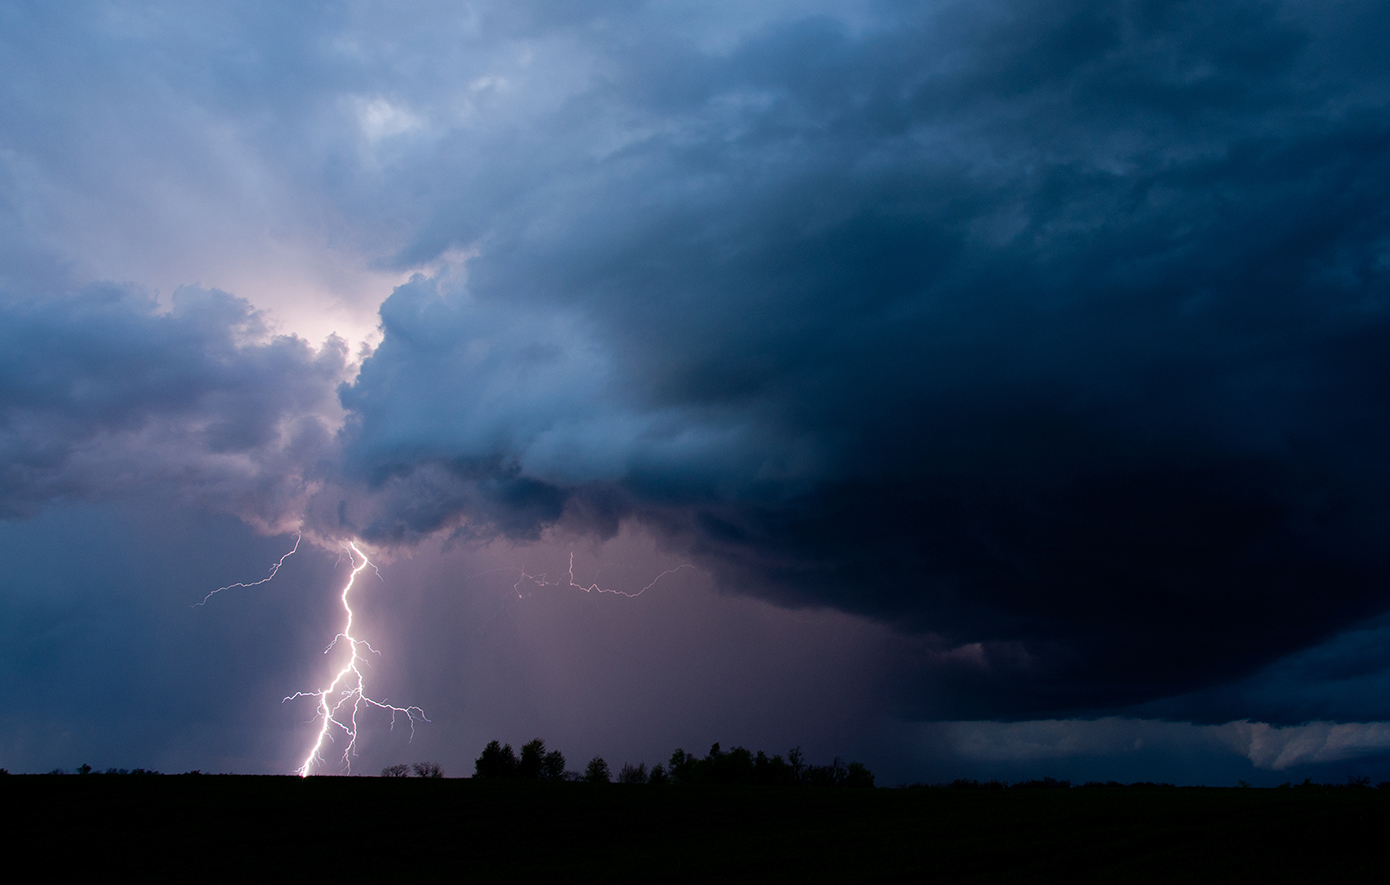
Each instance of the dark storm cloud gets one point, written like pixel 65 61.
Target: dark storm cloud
pixel 1341 680
pixel 1055 334
pixel 102 393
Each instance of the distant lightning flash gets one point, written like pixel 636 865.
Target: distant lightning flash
pixel 352 697
pixel 273 569
pixel 540 581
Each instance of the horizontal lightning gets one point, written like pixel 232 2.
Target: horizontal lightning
pixel 273 569
pixel 540 581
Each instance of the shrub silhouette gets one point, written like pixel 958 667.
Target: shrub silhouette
pixel 633 774
pixel 1046 783
pixel 401 770
pixel 428 769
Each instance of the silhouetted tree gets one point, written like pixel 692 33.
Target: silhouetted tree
pixel 832 775
pixel 797 762
pixel 532 755
pixel 553 766
pixel 497 761
pixel 772 772
pixel 596 772
pixel 738 766
pixel 860 776
pixel 682 767
pixel 1047 783
pixel 428 769
pixel 401 770
pixel 733 767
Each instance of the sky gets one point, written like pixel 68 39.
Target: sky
pixel 971 389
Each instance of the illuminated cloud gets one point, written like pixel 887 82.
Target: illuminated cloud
pixel 104 396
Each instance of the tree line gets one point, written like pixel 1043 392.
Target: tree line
pixel 421 769
pixel 736 766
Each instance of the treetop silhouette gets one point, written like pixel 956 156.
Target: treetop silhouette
pixel 735 766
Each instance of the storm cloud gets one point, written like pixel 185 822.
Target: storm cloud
pixel 1057 333
pixel 103 394
pixel 1054 336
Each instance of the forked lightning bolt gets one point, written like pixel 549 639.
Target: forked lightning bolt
pixel 540 581
pixel 345 697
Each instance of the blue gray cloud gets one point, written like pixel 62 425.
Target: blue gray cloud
pixel 103 394
pixel 1053 331
pixel 1053 335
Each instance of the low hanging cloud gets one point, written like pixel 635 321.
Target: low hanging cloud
pixel 1267 747
pixel 1281 748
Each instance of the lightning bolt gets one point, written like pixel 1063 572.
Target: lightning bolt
pixel 343 699
pixel 540 581
pixel 273 569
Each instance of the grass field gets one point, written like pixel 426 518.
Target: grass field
pixel 220 826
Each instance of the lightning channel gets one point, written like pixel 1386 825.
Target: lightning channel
pixel 345 698
pixel 273 569
pixel 540 581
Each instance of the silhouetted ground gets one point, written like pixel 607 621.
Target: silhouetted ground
pixel 340 828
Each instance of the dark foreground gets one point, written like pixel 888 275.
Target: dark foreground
pixel 346 829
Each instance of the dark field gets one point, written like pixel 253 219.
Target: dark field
pixel 346 828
